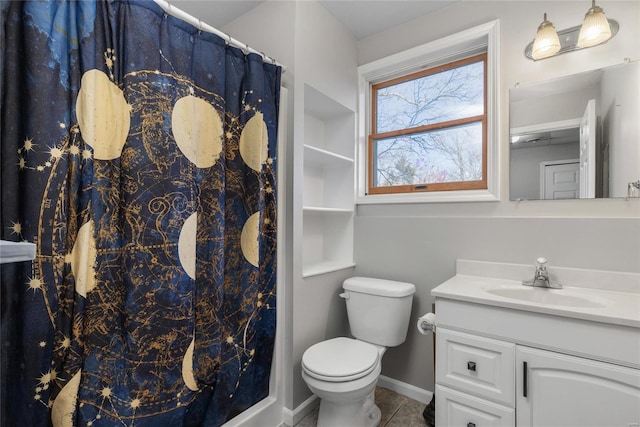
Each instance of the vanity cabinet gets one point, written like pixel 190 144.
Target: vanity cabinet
pixel 488 382
pixel 505 367
pixel 508 355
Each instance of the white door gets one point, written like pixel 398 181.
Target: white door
pixel 588 151
pixel 554 389
pixel 559 179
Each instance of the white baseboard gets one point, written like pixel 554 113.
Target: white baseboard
pixel 291 418
pixel 411 391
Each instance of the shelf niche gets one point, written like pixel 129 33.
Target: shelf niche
pixel 328 189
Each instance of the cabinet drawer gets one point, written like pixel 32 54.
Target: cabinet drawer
pixel 480 366
pixel 456 409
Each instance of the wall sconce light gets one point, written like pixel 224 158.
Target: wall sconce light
pixel 596 29
pixel 546 42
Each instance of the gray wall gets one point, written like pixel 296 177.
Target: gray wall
pixel 420 243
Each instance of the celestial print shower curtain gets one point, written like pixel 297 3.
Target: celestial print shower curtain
pixel 139 154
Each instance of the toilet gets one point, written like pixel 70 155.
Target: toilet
pixel 343 371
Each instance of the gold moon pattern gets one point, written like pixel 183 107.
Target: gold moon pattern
pixel 197 129
pixel 83 260
pixel 254 142
pixel 187 245
pixel 103 115
pixel 187 368
pixel 249 239
pixel 64 407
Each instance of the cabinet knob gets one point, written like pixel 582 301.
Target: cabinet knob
pixel 471 424
pixel 471 366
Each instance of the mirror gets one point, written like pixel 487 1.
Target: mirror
pixel 577 136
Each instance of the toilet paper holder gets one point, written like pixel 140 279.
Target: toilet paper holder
pixel 428 326
pixel 426 323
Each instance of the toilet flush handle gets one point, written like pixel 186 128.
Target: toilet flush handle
pixel 344 295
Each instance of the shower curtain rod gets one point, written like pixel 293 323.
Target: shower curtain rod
pixel 180 14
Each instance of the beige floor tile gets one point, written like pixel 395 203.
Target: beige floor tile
pixel 389 402
pixel 397 411
pixel 311 420
pixel 409 415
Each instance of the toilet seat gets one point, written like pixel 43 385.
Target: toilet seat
pixel 340 359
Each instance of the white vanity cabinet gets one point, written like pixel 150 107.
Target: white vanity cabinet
pixel 497 366
pixel 510 355
pixel 555 389
pixel 488 382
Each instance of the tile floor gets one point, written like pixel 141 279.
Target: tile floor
pixel 397 411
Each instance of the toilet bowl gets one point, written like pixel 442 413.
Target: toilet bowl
pixel 342 371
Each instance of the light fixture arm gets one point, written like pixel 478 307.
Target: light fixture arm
pixel 593 9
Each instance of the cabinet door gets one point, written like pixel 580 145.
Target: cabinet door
pixel 554 389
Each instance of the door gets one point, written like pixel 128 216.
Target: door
pixel 559 179
pixel 554 389
pixel 588 151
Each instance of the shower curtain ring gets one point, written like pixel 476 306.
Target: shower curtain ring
pixel 246 49
pixel 266 57
pixel 228 40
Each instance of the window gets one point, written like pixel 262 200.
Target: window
pixel 429 122
pixel 429 130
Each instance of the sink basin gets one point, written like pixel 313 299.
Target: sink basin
pixel 562 297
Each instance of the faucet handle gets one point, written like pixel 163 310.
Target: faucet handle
pixel 541 264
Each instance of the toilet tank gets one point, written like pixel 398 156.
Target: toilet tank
pixel 379 310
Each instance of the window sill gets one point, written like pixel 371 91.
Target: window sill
pixel 429 197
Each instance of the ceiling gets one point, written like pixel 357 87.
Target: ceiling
pixel 362 17
pixel 365 17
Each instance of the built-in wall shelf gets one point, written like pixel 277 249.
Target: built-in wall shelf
pixel 317 157
pixel 323 210
pixel 326 267
pixel 328 191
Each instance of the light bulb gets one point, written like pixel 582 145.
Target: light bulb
pixel 595 28
pixel 546 42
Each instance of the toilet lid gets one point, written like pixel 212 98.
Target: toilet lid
pixel 340 359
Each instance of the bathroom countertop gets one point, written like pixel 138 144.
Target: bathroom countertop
pixel 587 303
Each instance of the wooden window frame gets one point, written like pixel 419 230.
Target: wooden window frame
pixel 429 187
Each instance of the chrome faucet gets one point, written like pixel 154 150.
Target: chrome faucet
pixel 541 276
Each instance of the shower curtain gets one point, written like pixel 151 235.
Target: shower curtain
pixel 140 155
